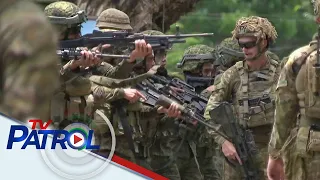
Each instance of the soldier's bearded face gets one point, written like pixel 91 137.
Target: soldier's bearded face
pixel 249 46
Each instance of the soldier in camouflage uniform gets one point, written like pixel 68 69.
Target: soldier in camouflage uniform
pixel 162 150
pixel 69 101
pixel 204 67
pixel 249 85
pixel 27 43
pixel 75 85
pixel 140 117
pixel 228 52
pixel 296 127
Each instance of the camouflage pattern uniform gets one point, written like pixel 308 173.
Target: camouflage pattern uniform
pixel 295 134
pixel 166 138
pixel 142 119
pixel 208 152
pixel 73 101
pixel 27 43
pixel 240 85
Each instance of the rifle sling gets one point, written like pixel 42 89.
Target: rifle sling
pixel 119 108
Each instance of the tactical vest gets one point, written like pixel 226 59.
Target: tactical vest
pixel 308 88
pixel 254 99
pixel 74 103
pixel 137 114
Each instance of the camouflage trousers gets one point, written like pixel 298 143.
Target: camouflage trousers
pixel 179 169
pixel 188 164
pixel 210 161
pixel 170 171
pixel 189 169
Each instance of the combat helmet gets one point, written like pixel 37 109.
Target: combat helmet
pixel 152 32
pixel 66 16
pixel 113 19
pixel 255 26
pixel 227 53
pixel 194 57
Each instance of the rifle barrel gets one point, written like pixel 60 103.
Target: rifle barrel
pixel 69 53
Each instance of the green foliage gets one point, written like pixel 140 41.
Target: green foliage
pixel 219 17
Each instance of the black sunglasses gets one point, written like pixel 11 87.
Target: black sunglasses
pixel 247 45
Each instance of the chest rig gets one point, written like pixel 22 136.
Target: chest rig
pixel 73 103
pixel 254 98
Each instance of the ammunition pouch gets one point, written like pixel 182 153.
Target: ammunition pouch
pixel 260 111
pixel 71 109
pixel 308 137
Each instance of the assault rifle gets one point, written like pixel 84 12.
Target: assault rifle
pixel 126 39
pixel 188 95
pixel 69 53
pixel 240 137
pixel 199 81
pixel 188 114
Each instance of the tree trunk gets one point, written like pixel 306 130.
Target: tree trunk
pixel 144 14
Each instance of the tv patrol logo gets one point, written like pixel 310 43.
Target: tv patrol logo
pixel 75 135
pixel 67 152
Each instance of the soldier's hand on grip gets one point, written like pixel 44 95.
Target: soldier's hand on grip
pixel 141 50
pixel 88 59
pixel 230 152
pixel 98 50
pixel 172 111
pixel 133 95
pixel 275 169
